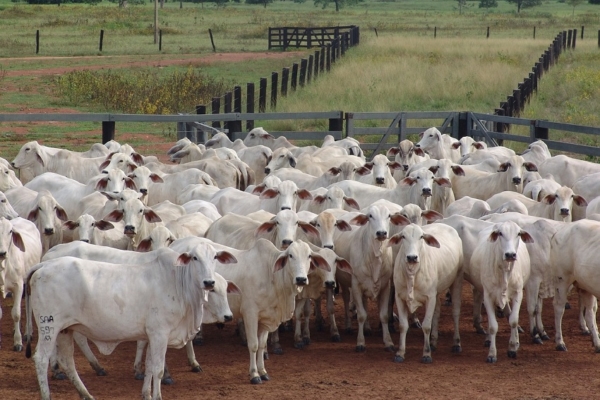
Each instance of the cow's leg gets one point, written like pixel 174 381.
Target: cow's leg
pixel 513 319
pixel 16 316
pixel 433 336
pixel 456 304
pixel 65 356
pixel 46 345
pixel 57 374
pixel 191 356
pixel 251 325
pixel 319 321
pixel 367 326
pixel 262 334
pixel 590 304
pixel 532 290
pixel 391 299
pixel 146 386
pixel 490 309
pixel 430 306
pixel 298 343
pixel 137 364
pixel 361 315
pixel 384 301
pixel 306 327
pixel 585 329
pixel 242 331
pixel 403 325
pixel 347 317
pixel 199 338
pixel 560 299
pixel 538 320
pixel 333 329
pixel 277 349
pixel 84 346
pixel 477 300
pixel 157 348
pixel 166 379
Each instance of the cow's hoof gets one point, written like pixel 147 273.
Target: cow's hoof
pixel 398 359
pixel 537 340
pixel 480 331
pixel 167 381
pixel 306 341
pixel 585 332
pixel 18 347
pixel 561 347
pixel 390 349
pixel 521 330
pixel 426 360
pixel 491 360
pixel 416 325
pixel 433 347
pixel 360 349
pixel 266 355
pixel 597 350
pixel 139 377
pixel 511 354
pixel 567 306
pixel 487 343
pixel 299 345
pixel 265 377
pixel 25 337
pixel 545 336
pixel 198 342
pixel 336 338
pixel 196 368
pixel 349 331
pixel 456 349
pixel 60 376
pixel 101 372
pixel 256 380
pixel 278 351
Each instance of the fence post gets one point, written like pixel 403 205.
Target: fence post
pixel 236 126
pixel 37 41
pixel 564 40
pixel 570 35
pixel 517 102
pixel 262 95
pixel 294 76
pixel 463 127
pixel 582 28
pixel 337 124
pixel 212 41
pixel 539 132
pixel 303 64
pixel 108 131
pixel 250 104
pixel 101 39
pixel 598 37
pixel 534 32
pixel 274 79
pixel 323 55
pixel 308 33
pixel 216 109
pixel 285 75
pixel 499 125
pixel 344 41
pixel 309 69
pixel 270 33
pixel 328 61
pixel 200 134
pixel 333 51
pixel 574 38
pixel 160 40
pixel 488 33
pixel 318 60
pixel 434 32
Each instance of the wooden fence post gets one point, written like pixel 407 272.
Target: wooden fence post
pixel 517 107
pixel 328 61
pixel 309 69
pixel 336 124
pixel 598 37
pixel 318 60
pixel 539 132
pixel 37 40
pixel 216 109
pixel 488 33
pixel 160 40
pixel 499 125
pixel 285 39
pixel 303 64
pixel 250 104
pixel 308 33
pixel 564 40
pixel 262 95
pixel 294 76
pixel 285 75
pixel 227 107
pixel 323 55
pixel 582 28
pixel 212 40
pixel 333 51
pixel 574 38
pixel 570 35
pixel 534 32
pixel 108 131
pixel 101 39
pixel 274 86
pixel 434 32
pixel 201 136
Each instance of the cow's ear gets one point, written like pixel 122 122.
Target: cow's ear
pixel 292 162
pixel 503 167
pixel 457 169
pixel 351 203
pixel 61 213
pixel 408 181
pixel 343 265
pixel 343 225
pixel 137 158
pixel 105 163
pixel 579 200
pixel 144 245
pixel 393 151
pixel 456 145
pixel 258 189
pixel 419 151
pixel 71 225
pixel 101 185
pixel 308 229
pixel 335 171
pixel 281 261
pixel 549 199
pixel 156 179
pixel 319 199
pixel 526 237
pixel 151 216
pixel 33 214
pixel 494 236
pixel 40 158
pixel 317 261
pixel 130 184
pixel 399 219
pixel 365 169
pixel 434 168
pixel 443 182
pixel 225 257
pixel 529 166
pixel 396 239
pixel 266 227
pixel 18 240
pixel 232 288
pixel 431 215
pixel 304 194
pixel 104 225
pixel 360 219
pixel 431 241
pixel 114 216
pixel 269 193
pixel 184 259
pixel 396 166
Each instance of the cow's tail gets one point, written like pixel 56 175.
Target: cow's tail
pixel 28 311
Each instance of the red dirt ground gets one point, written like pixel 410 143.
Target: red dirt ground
pixel 329 370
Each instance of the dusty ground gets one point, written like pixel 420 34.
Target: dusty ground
pixel 329 370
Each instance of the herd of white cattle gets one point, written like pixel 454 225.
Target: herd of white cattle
pixel 113 246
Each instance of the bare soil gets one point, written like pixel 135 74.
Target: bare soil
pixel 329 370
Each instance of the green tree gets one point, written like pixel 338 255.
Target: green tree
pixel 574 3
pixel 594 1
pixel 525 3
pixel 338 3
pixel 263 2
pixel 488 3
